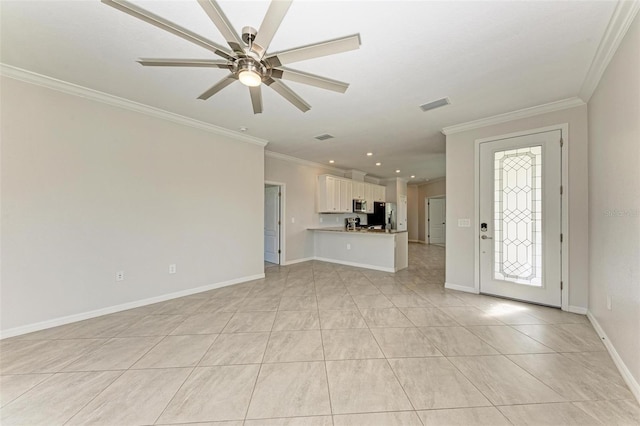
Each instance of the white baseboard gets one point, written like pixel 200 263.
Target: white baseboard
pixel 633 384
pixel 458 287
pixel 357 265
pixel 293 262
pixel 30 328
pixel 577 310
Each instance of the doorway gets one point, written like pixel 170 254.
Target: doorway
pixel 272 224
pixel 520 217
pixel 436 220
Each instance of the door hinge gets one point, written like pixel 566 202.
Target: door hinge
pixel 278 222
pixel 561 285
pixel 279 194
pixel 561 238
pixel 561 142
pixel 278 251
pixel 561 189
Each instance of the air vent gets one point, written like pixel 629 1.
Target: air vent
pixel 435 104
pixel 324 137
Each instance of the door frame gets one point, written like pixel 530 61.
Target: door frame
pixel 427 224
pixel 282 232
pixel 564 205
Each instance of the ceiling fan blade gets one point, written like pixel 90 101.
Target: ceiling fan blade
pixel 270 24
pixel 220 20
pixel 256 99
pixel 217 87
pixel 169 26
pixel 310 79
pixel 284 91
pixel 316 50
pixel 162 62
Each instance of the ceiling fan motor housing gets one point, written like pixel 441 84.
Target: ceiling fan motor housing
pixel 250 64
pixel 248 34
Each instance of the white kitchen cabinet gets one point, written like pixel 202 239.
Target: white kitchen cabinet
pixel 379 193
pixel 346 196
pixel 373 194
pixel 368 195
pixel 334 195
pixel 358 190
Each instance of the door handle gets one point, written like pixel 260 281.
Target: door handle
pixel 484 237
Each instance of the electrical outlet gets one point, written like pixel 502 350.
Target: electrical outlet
pixel 337 220
pixel 608 302
pixel 172 268
pixel 120 276
pixel 320 219
pixel 348 246
pixel 293 220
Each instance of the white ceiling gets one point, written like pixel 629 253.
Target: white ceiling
pixel 488 57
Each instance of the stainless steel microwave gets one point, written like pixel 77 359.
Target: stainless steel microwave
pixel 359 206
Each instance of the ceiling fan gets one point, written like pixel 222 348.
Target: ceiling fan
pixel 248 60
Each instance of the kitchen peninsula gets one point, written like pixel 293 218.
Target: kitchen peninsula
pixel 365 248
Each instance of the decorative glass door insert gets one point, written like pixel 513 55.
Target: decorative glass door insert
pixel 517 215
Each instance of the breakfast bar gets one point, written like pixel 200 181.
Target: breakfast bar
pixel 365 248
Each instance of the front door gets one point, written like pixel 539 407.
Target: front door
pixel 271 224
pixel 520 218
pixel 437 224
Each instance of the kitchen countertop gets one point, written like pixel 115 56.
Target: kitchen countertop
pixel 357 231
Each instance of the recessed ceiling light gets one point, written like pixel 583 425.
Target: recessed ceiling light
pixel 331 161
pixel 413 177
pixel 378 164
pixel 397 171
pixel 369 154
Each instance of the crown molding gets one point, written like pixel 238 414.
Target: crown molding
pixel 430 181
pixel 621 19
pixel 297 160
pixel 514 115
pixel 105 98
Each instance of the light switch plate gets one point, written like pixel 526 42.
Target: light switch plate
pixel 464 223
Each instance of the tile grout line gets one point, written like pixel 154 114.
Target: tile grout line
pixel 324 355
pixel 255 383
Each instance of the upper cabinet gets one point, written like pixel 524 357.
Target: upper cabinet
pixel 373 193
pixel 358 190
pixel 335 195
pixel 379 193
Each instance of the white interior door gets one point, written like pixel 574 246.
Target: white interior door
pixel 520 218
pixel 437 221
pixel 271 224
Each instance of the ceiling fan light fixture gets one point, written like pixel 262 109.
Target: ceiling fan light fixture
pixel 249 77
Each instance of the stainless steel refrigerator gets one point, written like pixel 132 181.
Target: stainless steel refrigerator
pixel 384 214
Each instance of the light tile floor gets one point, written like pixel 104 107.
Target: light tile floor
pixel 319 344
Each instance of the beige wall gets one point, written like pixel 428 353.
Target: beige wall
pixel 430 189
pixel 300 181
pixel 395 187
pixel 614 202
pixel 89 189
pixel 460 268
